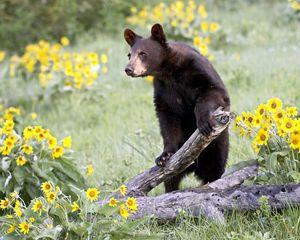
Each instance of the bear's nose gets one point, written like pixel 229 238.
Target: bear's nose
pixel 129 71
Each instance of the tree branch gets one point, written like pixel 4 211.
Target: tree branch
pixel 141 184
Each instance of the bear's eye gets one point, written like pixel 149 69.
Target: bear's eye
pixel 129 55
pixel 142 54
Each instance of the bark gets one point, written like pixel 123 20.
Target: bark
pixel 213 202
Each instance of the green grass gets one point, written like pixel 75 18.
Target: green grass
pixel 115 127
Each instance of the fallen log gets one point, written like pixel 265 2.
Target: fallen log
pixel 141 184
pixel 213 202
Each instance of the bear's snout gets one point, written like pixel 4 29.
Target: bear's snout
pixel 129 71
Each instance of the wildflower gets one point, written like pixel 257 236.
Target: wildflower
pixel 261 110
pixel 12 228
pixel 32 219
pixel 17 209
pixel 21 160
pixel 46 187
pixel 14 195
pixel 67 142
pixel 26 148
pixel 92 194
pixel 113 202
pixel 287 124
pixel 294 141
pixel 52 142
pixel 5 150
pixel 131 204
pixel 103 58
pixel 65 41
pixel 37 206
pixel 150 78
pixel 2 56
pixel 123 211
pixel 274 104
pixel 279 116
pixel 4 203
pixel 214 27
pixel 57 152
pixel 51 196
pixel 75 207
pixel 262 137
pixel 24 227
pixel 291 111
pixel 256 121
pixel 33 116
pixel 28 132
pixel 89 170
pixel 123 190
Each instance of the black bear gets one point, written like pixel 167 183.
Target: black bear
pixel 187 89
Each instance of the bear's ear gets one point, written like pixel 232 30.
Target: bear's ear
pixel 130 36
pixel 157 33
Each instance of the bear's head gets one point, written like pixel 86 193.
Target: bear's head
pixel 146 54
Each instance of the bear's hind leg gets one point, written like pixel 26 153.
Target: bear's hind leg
pixel 210 165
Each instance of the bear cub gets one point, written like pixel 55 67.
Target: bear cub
pixel 187 90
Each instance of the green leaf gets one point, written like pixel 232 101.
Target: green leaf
pixel 19 175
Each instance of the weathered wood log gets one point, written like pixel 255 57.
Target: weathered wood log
pixel 141 184
pixel 213 202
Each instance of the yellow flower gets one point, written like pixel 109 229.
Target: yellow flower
pixel 14 195
pixel 28 132
pixel 261 110
pixel 291 111
pixel 197 40
pixel 46 187
pixel 214 27
pixel 92 194
pixel 294 141
pixel 51 196
pixel 204 27
pixel 279 116
pixel 8 126
pixel 131 204
pixel 256 121
pixel 123 211
pixel 21 160
pixel 2 56
pixel 24 227
pixel 5 150
pixel 113 202
pixel 67 142
pixel 89 170
pixel 4 203
pixel 57 152
pixel 32 219
pixel 75 207
pixel 274 104
pixel 149 78
pixel 12 228
pixel 26 148
pixel 255 146
pixel 64 41
pixel 52 142
pixel 287 124
pixel 37 206
pixel 262 137
pixel 123 190
pixel 103 58
pixel 18 212
pixel 33 116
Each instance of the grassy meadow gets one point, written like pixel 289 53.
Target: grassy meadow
pixel 114 127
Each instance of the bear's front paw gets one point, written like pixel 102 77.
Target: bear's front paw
pixel 163 158
pixel 205 127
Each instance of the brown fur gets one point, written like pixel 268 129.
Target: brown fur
pixel 187 89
